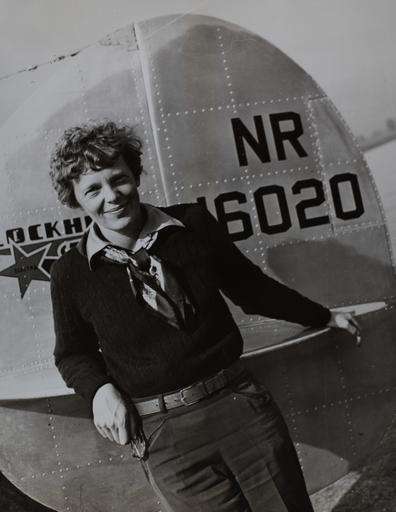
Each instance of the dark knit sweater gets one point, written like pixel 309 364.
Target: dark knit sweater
pixel 104 335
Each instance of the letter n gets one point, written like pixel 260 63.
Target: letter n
pixel 258 143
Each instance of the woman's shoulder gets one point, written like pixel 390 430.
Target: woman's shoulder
pixel 71 264
pixel 187 212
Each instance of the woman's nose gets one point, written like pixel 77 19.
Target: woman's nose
pixel 110 194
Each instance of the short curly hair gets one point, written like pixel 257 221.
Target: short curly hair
pixel 91 147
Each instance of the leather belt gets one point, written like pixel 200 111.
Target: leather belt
pixel 191 394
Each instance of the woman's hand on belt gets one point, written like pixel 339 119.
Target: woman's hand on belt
pixel 110 414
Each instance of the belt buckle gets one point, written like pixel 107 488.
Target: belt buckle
pixel 199 385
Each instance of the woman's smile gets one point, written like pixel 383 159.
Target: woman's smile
pixel 117 209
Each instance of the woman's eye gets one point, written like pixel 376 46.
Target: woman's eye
pixel 91 193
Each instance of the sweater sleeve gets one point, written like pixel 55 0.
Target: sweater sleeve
pixel 76 352
pixel 256 293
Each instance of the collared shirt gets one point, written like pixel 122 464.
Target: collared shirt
pixel 156 220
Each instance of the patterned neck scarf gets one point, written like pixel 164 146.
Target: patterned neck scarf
pixel 154 285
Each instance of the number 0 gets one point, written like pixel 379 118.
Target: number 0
pixel 358 210
pixel 279 192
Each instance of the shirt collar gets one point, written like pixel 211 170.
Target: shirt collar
pixel 156 220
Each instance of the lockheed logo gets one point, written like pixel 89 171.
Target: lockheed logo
pixel 34 249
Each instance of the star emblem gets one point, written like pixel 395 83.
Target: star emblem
pixel 27 267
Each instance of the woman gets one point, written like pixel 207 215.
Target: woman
pixel 143 333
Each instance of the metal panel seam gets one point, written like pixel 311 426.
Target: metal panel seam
pixel 150 104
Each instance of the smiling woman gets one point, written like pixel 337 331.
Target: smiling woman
pixel 97 168
pixel 110 197
pixel 92 148
pixel 143 333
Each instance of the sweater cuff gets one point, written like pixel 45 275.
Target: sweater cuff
pixel 322 317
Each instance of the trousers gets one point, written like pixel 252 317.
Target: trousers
pixel 231 452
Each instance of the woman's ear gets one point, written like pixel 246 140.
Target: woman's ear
pixel 74 193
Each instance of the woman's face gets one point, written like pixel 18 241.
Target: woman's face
pixel 110 196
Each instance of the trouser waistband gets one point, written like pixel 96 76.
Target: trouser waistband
pixel 192 394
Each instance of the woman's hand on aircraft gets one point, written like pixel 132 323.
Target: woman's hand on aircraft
pixel 348 322
pixel 110 414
